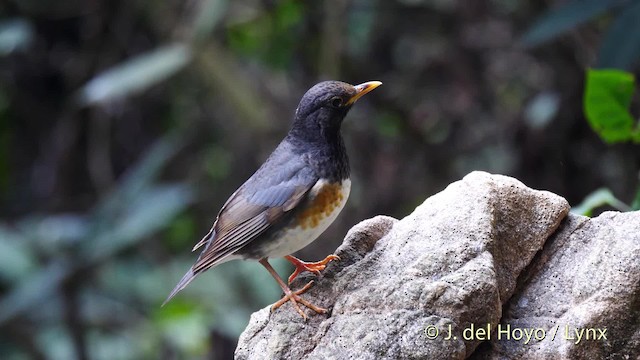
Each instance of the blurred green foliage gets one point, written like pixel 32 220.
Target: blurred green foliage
pixel 269 37
pixel 70 247
pixel 607 98
pixel 609 90
pixel 124 126
pixel 135 75
pixel 620 47
pixel 598 199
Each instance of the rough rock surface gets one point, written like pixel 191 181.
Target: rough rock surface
pixel 585 280
pixel 468 252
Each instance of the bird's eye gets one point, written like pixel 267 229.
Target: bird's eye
pixel 336 102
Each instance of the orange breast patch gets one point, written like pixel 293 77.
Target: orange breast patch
pixel 328 199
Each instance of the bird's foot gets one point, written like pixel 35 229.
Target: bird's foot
pixel 314 267
pixel 295 298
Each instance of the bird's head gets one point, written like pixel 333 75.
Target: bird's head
pixel 325 105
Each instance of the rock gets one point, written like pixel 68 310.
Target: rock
pixel 454 264
pixel 585 280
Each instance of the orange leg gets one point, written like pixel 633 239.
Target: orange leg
pixel 293 296
pixel 314 267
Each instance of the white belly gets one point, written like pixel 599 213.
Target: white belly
pixel 328 200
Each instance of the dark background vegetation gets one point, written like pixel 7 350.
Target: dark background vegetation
pixel 125 125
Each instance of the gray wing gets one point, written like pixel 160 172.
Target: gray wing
pixel 246 216
pixel 274 190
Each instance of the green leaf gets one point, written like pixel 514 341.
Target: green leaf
pixel 607 98
pixel 596 199
pixel 135 75
pixel 558 21
pixel 620 48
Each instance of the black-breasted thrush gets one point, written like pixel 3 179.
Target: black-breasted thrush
pixel 292 198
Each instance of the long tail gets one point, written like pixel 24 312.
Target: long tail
pixel 186 279
pixel 189 276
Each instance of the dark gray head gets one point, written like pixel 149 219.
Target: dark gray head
pixel 324 106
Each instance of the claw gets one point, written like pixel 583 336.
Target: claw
pixel 293 296
pixel 314 267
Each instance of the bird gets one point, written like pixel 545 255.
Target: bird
pixel 292 198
